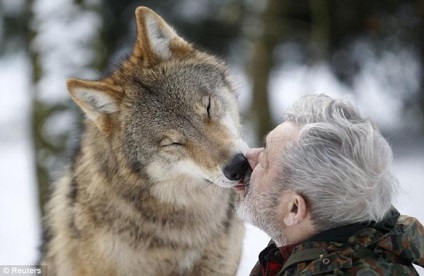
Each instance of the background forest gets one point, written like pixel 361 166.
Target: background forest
pixel 370 51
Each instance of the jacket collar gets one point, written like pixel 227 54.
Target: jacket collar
pixel 339 234
pixel 342 234
pixel 318 245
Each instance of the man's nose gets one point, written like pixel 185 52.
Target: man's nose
pixel 252 156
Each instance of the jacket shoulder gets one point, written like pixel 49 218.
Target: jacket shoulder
pixel 406 240
pixel 347 261
pixel 368 252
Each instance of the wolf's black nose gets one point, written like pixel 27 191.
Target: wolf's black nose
pixel 236 168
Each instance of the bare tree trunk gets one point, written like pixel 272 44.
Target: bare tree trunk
pixel 45 146
pixel 262 64
pixel 320 28
pixel 49 140
pixel 420 93
pixel 38 112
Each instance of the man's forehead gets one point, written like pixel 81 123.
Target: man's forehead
pixel 284 132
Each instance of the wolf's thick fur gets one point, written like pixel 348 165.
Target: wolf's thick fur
pixel 146 193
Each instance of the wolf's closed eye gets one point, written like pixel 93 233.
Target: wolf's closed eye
pixel 212 106
pixel 205 105
pixel 208 108
pixel 171 141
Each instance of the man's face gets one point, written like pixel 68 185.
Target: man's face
pixel 259 195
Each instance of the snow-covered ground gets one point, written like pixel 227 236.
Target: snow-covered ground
pixel 19 223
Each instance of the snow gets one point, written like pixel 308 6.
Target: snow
pixel 254 242
pixel 19 216
pixel 19 210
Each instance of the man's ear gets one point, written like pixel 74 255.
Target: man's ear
pixel 296 210
pixel 156 40
pixel 97 99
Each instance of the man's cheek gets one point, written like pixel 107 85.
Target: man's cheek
pixel 256 177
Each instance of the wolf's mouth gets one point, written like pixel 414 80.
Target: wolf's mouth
pixel 243 184
pixel 240 186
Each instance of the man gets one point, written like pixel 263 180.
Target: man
pixel 322 188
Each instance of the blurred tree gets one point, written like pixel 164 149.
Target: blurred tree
pixel 17 37
pixel 320 28
pixel 339 33
pixel 264 39
pixel 212 25
pixel 39 111
pixel 419 35
pixel 53 59
pixel 12 29
pixel 323 31
pixel 387 28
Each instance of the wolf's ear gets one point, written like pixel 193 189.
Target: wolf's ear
pixel 156 39
pixel 96 98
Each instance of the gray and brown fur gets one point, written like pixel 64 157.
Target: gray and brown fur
pixel 146 193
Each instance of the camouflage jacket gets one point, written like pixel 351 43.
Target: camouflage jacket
pixel 388 247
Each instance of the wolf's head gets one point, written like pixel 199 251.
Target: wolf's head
pixel 169 107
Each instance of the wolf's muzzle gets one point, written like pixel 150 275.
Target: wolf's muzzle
pixel 237 167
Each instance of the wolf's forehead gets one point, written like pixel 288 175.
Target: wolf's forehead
pixel 201 76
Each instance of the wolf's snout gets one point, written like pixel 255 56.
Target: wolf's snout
pixel 237 167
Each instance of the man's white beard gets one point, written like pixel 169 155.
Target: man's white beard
pixel 259 209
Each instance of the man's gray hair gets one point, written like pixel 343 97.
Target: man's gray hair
pixel 340 163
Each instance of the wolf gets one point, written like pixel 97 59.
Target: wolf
pixel 149 191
